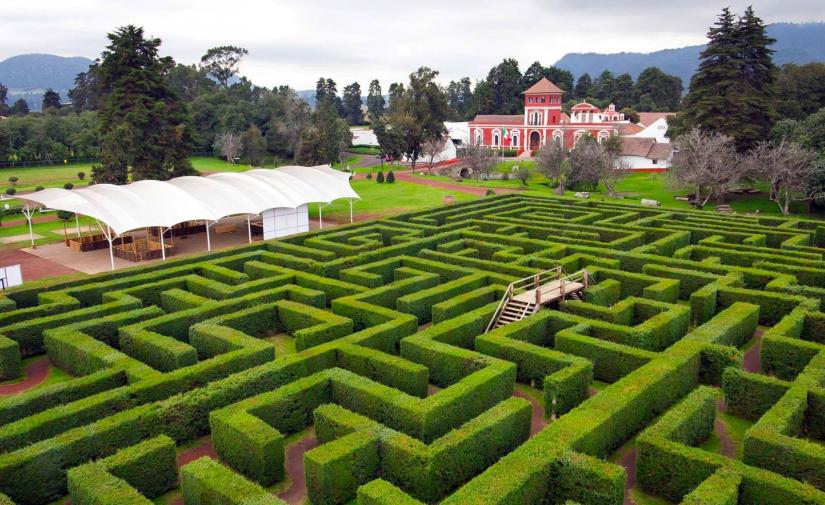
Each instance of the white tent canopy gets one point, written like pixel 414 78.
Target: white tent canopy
pixel 146 204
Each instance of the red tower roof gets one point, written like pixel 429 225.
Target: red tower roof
pixel 542 87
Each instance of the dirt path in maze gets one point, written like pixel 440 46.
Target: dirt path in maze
pixel 726 445
pixel 296 493
pixel 628 461
pixel 537 422
pixel 752 361
pixel 35 373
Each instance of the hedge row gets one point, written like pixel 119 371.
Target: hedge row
pixel 206 482
pixel 721 488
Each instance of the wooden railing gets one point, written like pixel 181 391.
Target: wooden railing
pixel 534 283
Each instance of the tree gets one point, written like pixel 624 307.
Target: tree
pixel 51 99
pixel 584 87
pixel 430 149
pixel 604 85
pixel 86 94
pixel 622 91
pixel 4 108
pixel 733 91
pixel 20 108
pixel 506 86
pixel 790 171
pixel 390 177
pixel 144 126
pixel 396 91
pixel 375 101
pixel 229 145
pixel 630 114
pixel 535 72
pixel 656 90
pixel 352 104
pixel 460 98
pixel 419 114
pixel 323 141
pixel 389 141
pixel 707 163
pixel 592 162
pixel 222 62
pixel 327 90
pixel 253 145
pixel 480 160
pixel 552 161
pixel 800 90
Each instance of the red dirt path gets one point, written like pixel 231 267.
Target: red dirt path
pixel 537 422
pixel 296 494
pixel 35 220
pixel 628 461
pixel 33 267
pixel 752 362
pixel 36 372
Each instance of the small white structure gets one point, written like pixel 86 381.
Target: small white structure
pixel 650 203
pixel 645 154
pixel 458 131
pixel 11 276
pixel 654 125
pixel 281 195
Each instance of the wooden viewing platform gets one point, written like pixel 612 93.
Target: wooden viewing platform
pixel 526 296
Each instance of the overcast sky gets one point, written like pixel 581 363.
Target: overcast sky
pixel 295 42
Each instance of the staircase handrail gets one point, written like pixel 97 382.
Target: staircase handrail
pixel 508 293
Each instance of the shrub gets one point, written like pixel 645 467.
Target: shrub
pixel 369 176
pixel 68 185
pixel 13 180
pixel 380 177
pixel 39 188
pixel 81 175
pixel 11 191
pixel 490 192
pixel 390 177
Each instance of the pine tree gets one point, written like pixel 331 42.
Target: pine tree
pixel 51 99
pixel 144 126
pixel 732 91
pixel 584 87
pixel 375 101
pixel 352 104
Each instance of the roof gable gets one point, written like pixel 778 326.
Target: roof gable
pixel 542 87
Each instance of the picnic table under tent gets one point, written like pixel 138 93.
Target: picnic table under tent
pixel 281 196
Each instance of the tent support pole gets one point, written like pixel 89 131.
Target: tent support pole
pixel 162 247
pixel 320 216
pixel 77 223
pixel 208 240
pixel 350 211
pixel 108 234
pixel 249 229
pixel 28 213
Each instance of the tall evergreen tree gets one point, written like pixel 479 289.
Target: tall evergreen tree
pixel 395 92
pixel 604 86
pixel 558 76
pixel 326 89
pixel 506 86
pixel 460 98
pixel 221 63
pixel 664 92
pixel 732 91
pixel 4 108
pixel 352 104
pixel 51 99
pixel 584 87
pixel 375 101
pixel 144 126
pixel 622 91
pixel 20 108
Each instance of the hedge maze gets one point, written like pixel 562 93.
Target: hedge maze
pixel 352 366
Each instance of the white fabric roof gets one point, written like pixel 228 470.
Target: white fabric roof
pixel 144 204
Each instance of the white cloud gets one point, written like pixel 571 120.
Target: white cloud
pixel 294 42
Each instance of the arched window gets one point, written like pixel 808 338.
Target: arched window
pixel 514 139
pixel 479 138
pixel 496 140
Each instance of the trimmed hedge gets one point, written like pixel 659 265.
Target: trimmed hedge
pixel 206 482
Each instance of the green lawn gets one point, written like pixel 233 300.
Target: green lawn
pixel 381 200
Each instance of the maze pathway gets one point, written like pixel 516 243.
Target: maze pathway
pixel 352 365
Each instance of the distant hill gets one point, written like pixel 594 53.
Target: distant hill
pixel 28 75
pixel 795 43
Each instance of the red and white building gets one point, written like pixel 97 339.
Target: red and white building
pixel 544 121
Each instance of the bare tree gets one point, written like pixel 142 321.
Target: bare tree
pixel 552 161
pixel 430 149
pixel 229 145
pixel 479 159
pixel 586 163
pixel 612 168
pixel 789 169
pixel 707 163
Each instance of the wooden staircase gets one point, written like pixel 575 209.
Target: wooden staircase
pixel 526 296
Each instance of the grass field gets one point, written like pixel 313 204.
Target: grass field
pixel 381 200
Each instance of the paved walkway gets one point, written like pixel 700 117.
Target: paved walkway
pixel 33 266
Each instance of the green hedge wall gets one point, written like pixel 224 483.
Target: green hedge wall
pixel 207 482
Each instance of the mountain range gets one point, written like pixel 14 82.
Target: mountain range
pixel 795 43
pixel 28 75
